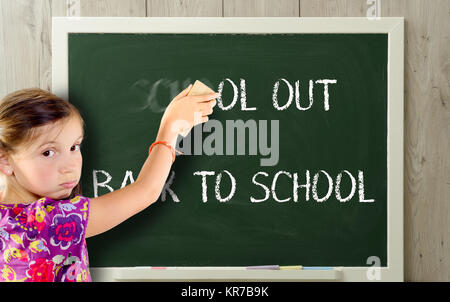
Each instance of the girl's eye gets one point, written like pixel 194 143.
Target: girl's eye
pixel 79 146
pixel 47 152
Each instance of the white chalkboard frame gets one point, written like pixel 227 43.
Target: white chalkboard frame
pixel 393 26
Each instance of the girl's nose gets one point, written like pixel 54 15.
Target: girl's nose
pixel 70 165
pixel 68 169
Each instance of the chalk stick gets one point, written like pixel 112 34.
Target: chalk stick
pixel 318 268
pixel 197 89
pixel 291 267
pixel 271 267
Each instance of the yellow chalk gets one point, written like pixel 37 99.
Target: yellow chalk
pixel 291 267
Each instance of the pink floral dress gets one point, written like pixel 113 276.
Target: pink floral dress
pixel 44 240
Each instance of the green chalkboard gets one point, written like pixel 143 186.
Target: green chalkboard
pixel 282 208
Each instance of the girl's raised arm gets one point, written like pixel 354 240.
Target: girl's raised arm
pixel 111 209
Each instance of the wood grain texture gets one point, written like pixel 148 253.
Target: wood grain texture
pixel 184 8
pixel 25 50
pixel 113 8
pixel 59 8
pixel 4 79
pixel 333 8
pixel 25 61
pixel 261 8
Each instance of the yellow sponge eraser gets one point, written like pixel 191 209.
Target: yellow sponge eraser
pixel 197 89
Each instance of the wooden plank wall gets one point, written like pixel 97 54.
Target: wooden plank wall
pixel 25 61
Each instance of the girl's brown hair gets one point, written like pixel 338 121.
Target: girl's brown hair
pixel 24 110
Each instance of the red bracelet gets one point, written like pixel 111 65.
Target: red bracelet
pixel 167 145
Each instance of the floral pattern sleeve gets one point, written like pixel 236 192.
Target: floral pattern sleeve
pixel 45 240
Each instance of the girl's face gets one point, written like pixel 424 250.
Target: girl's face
pixel 52 159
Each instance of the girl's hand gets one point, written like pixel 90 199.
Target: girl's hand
pixel 185 112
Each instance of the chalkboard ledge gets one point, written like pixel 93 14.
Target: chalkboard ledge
pixel 205 274
pixel 240 274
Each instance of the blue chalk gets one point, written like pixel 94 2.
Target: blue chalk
pixel 318 268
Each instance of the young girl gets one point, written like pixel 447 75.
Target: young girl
pixel 44 219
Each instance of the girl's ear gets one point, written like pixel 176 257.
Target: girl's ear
pixel 5 166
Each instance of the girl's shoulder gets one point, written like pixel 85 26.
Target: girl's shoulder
pixel 47 200
pixel 45 217
pixel 46 206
